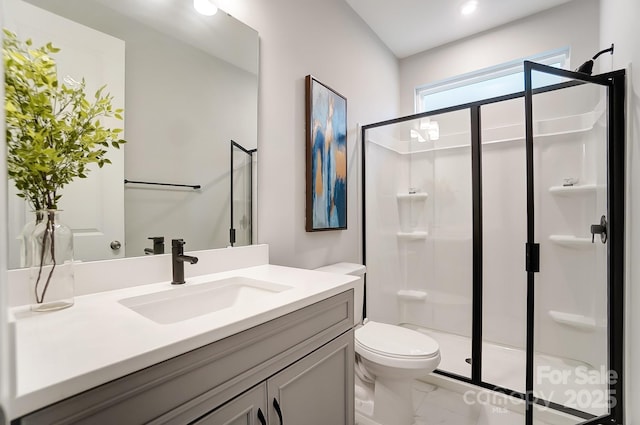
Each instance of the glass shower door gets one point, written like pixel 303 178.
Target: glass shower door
pixel 503 231
pixel 419 230
pixel 572 276
pixel 240 233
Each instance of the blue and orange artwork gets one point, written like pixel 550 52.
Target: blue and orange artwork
pixel 328 162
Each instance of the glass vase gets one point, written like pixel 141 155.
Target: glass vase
pixel 51 276
pixel 25 239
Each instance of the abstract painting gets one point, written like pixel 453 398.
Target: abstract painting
pixel 326 120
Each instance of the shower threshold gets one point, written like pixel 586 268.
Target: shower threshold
pixel 567 382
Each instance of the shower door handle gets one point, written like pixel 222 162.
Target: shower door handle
pixel 600 229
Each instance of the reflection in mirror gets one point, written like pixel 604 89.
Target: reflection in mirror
pixel 241 233
pixel 188 84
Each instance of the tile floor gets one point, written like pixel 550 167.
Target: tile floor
pixel 505 367
pixel 563 381
pixel 438 406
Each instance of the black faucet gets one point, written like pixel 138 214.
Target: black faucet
pixel 178 259
pixel 158 246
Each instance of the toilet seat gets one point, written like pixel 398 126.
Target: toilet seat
pixel 395 346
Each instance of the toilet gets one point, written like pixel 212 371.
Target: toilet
pixel 389 357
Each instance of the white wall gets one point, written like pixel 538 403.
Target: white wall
pixel 573 24
pixel 328 40
pixel 619 25
pixel 4 338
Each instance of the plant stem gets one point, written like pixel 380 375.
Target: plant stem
pixel 53 254
pixel 38 300
pixel 49 231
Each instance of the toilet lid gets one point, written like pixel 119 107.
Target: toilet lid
pixel 396 341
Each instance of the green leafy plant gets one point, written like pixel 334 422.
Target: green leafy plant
pixel 53 129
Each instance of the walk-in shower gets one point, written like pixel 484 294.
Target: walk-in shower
pixel 241 195
pixel 497 228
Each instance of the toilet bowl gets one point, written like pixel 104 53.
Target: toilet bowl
pixel 395 352
pixel 393 356
pixel 389 357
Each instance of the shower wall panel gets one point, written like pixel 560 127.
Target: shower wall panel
pixel 389 171
pixel 570 170
pixel 504 212
pixel 419 224
pixel 448 280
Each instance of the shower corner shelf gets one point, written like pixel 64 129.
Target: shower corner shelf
pixel 572 190
pixel 415 235
pixel 418 196
pixel 411 295
pixel 571 241
pixel 577 321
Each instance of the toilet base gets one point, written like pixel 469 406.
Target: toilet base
pixel 362 419
pixel 393 402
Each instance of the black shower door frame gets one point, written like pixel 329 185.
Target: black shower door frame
pixel 249 153
pixel 615 83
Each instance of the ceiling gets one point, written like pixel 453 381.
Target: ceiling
pixel 408 27
pixel 221 35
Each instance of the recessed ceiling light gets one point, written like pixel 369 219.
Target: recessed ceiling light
pixel 469 7
pixel 205 7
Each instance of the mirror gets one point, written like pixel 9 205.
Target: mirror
pixel 188 84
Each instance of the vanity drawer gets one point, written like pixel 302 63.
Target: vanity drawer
pixel 181 389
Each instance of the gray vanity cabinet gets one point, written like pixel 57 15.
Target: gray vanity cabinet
pixel 303 360
pixel 316 390
pixel 247 409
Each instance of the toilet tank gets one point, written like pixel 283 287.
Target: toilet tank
pixel 352 269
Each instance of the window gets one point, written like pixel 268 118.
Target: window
pixel 486 83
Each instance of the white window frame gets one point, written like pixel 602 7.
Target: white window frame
pixel 559 56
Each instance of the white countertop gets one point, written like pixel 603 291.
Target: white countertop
pixel 62 353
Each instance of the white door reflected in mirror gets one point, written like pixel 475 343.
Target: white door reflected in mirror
pixel 191 87
pixel 93 207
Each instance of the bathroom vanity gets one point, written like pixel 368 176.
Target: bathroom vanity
pixel 259 361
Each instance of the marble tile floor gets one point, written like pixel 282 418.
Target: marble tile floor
pixel 438 406
pixel 563 381
pixel 504 366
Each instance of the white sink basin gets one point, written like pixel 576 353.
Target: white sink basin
pixel 189 301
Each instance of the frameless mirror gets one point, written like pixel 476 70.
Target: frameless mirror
pixel 188 84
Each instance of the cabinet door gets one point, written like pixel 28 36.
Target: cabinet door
pixel 316 390
pixel 246 409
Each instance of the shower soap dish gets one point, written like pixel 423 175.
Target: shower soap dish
pixel 573 190
pixel 571 241
pixel 413 196
pixel 577 321
pixel 415 235
pixel 411 295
